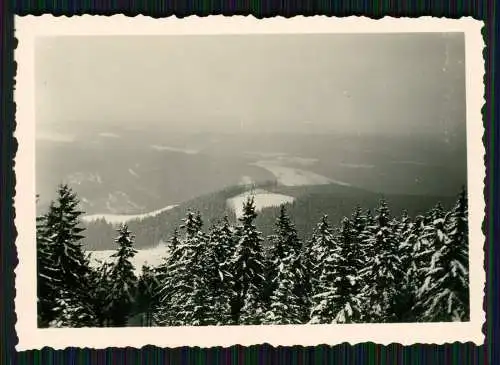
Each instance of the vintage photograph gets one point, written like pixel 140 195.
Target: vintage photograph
pixel 220 179
pixel 251 179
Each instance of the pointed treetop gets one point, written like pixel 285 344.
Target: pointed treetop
pixel 345 225
pixel 123 229
pixel 369 216
pixel 358 212
pixel 283 221
pixel 198 219
pixel 225 221
pixel 66 194
pixel 462 200
pixel 283 214
pixel 248 210
pixel 383 213
pixel 324 225
pixel 192 223
pixel 146 269
pixel 125 240
pixel 174 241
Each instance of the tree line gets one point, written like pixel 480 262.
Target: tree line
pixel 373 267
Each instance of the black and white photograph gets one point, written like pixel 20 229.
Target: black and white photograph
pixel 252 179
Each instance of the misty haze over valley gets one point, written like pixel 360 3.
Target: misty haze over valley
pixel 371 114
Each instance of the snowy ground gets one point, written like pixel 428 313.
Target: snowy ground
pixel 357 166
pixel 262 198
pixel 175 149
pixel 290 176
pixel 123 218
pixel 109 135
pixel 151 256
pixel 133 173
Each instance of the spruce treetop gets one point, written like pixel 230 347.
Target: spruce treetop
pixel 125 241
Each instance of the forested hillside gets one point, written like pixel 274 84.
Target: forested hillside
pixel 310 204
pixel 368 265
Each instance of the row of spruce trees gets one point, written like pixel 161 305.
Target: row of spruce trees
pixel 372 268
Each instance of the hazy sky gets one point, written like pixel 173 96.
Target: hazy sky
pixel 345 83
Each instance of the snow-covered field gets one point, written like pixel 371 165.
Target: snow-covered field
pixel 281 158
pixel 133 173
pixel 151 256
pixel 175 149
pixel 357 166
pixel 303 161
pixel 290 176
pixel 123 218
pixel 262 199
pixel 109 135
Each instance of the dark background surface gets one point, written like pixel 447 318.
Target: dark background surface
pixel 344 353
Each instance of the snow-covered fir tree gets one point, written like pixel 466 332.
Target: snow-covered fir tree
pixel 428 230
pixel 383 269
pixel 316 249
pixel 99 294
pixel 368 232
pixel 402 226
pixel 288 301
pixel 324 288
pixel 62 265
pixel 46 287
pixel 248 304
pixel 171 255
pixel 123 280
pixel 438 211
pixel 286 307
pixel 310 266
pixel 414 252
pixel 218 273
pixel 406 237
pixel 358 223
pixel 73 312
pixel 198 301
pixel 458 232
pixel 163 313
pixel 185 297
pixel 444 295
pixel 147 290
pixel 346 298
pixel 336 298
pixel 174 244
pixel 222 246
pixel 174 277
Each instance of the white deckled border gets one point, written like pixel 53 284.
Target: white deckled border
pixel 30 337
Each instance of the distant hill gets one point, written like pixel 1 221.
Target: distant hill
pixel 306 206
pixel 133 173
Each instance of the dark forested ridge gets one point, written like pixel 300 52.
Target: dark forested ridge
pixel 364 265
pixel 311 203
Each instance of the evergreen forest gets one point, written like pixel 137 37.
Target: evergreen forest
pixel 371 267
